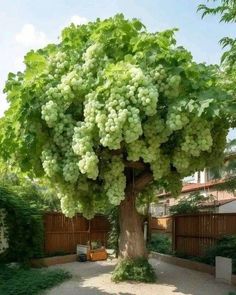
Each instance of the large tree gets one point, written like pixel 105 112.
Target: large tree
pixel 111 112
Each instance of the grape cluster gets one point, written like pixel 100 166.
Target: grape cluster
pixel 50 113
pixel 115 181
pixel 58 64
pixel 172 86
pixel 197 138
pixel 181 161
pixel 69 205
pixel 176 120
pixel 161 166
pixel 159 76
pixel 174 184
pixel 148 148
pixel 50 162
pixel 70 168
pixel 117 114
pixel 83 147
pixel 93 57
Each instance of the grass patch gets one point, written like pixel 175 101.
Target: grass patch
pixel 21 281
pixel 138 270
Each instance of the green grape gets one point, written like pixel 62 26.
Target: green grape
pixel 174 183
pixel 115 181
pixel 50 162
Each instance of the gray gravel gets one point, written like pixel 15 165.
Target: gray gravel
pixel 94 278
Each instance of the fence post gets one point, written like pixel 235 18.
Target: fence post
pixel 173 233
pixel 149 227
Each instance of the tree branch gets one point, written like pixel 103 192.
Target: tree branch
pixel 116 152
pixel 141 181
pixel 136 165
pixel 230 157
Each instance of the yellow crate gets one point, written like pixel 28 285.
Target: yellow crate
pixel 98 254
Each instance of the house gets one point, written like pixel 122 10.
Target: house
pixel 202 183
pixel 222 206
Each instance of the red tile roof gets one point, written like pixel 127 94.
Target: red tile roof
pixel 192 187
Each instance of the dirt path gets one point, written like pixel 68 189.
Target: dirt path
pixel 94 278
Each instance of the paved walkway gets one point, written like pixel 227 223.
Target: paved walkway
pixel 94 278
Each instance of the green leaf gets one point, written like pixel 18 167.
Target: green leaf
pixel 35 63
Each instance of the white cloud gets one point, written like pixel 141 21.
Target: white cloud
pixel 30 37
pixel 78 20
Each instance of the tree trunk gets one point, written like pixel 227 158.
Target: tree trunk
pixel 131 240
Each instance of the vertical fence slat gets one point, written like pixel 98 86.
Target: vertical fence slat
pixel 192 234
pixel 62 234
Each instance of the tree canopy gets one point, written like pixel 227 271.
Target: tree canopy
pixel 108 99
pixel 226 9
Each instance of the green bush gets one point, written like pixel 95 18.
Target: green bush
pixel 160 243
pixel 137 269
pixel 24 226
pixel 225 247
pixel 37 194
pixel 189 205
pixel 21 281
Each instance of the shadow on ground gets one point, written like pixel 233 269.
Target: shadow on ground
pixel 94 278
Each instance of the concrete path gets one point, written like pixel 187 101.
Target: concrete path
pixel 94 278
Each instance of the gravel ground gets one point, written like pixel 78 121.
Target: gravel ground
pixel 94 278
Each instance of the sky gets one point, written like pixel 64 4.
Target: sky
pixel 27 24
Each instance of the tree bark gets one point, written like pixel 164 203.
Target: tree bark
pixel 131 241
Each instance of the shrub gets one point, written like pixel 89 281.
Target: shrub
pixel 21 281
pixel 224 247
pixel 189 205
pixel 24 228
pixel 160 243
pixel 137 269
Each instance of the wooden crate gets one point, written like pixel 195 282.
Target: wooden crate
pixel 98 254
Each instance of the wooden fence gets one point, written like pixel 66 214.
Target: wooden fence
pixel 161 225
pixel 62 234
pixel 193 234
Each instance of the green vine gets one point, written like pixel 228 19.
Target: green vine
pixel 23 228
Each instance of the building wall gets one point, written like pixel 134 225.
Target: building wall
pixel 162 208
pixel 228 208
pixel 223 195
pixel 159 209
